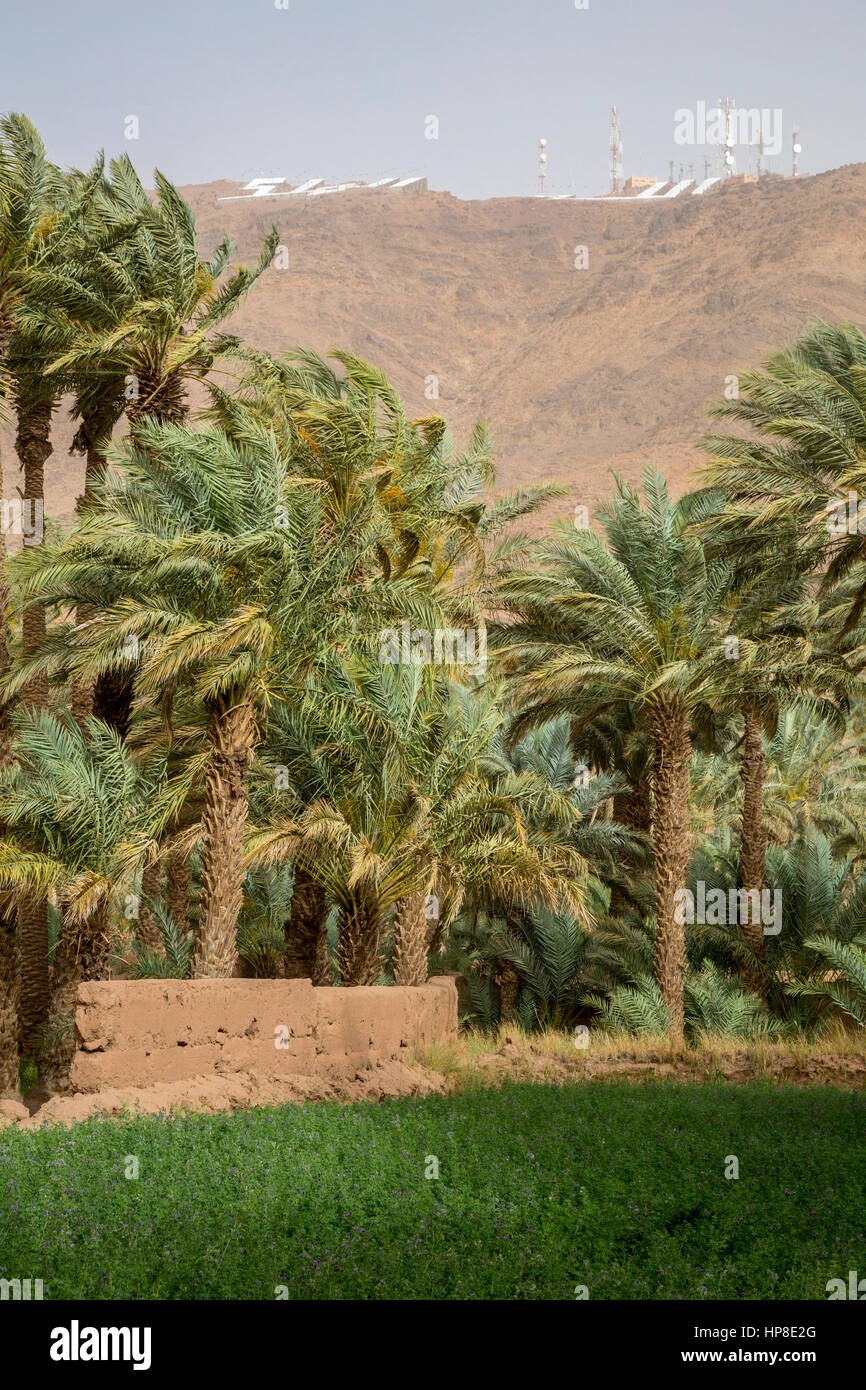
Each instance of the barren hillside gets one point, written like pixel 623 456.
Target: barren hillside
pixel 577 370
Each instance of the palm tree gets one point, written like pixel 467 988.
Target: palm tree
pixel 222 599
pixel 820 894
pixel 295 767
pixel 147 323
pixel 70 806
pixel 351 543
pixel 771 642
pixel 606 773
pixel 546 954
pixel 46 211
pixel 305 931
pixel 844 985
pixel 424 518
pixel 32 199
pixel 814 774
pixel 9 967
pixel 347 433
pixel 599 625
pixel 9 970
pixel 614 852
pixel 408 813
pixel 132 317
pixel 42 210
pixel 802 462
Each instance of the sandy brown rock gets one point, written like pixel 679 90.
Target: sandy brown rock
pixel 12 1112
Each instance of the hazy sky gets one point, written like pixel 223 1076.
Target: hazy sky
pixel 341 89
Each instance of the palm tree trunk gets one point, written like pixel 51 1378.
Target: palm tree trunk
pixel 147 930
pixel 668 725
pixel 81 698
pixel 306 931
pixel 113 693
pixel 164 400
pixel 83 954
pixel 8 1002
pixel 33 925
pixel 434 935
pixel 507 976
pixel 410 940
pixel 10 982
pixel 231 730
pixel 508 979
pixel 9 971
pixel 632 809
pixel 10 977
pixel 177 881
pixel 33 446
pixel 359 949
pixel 160 396
pixel 753 846
pixel 81 694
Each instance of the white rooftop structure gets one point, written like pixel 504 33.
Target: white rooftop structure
pixel 317 188
pixel 652 195
pixel 652 191
pixel 263 185
pixel 677 189
pixel 307 187
pixel 334 188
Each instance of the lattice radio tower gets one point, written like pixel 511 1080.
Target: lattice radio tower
pixel 726 105
pixel 616 181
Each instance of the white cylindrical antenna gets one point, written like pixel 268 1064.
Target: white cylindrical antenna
pixel 542 165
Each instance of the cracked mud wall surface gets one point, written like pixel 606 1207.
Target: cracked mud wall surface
pixel 151 1032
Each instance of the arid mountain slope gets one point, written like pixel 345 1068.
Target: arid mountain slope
pixel 577 370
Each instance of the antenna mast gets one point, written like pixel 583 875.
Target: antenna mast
pixel 542 165
pixel 727 107
pixel 615 153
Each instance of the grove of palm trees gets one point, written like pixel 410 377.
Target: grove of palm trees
pixel 207 653
pixel 300 694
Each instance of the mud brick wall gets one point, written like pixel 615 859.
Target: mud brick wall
pixel 142 1032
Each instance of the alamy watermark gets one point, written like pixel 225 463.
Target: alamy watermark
pixel 22 516
pixel 717 907
pixel 447 646
pixel 20 1289
pixel 743 125
pixel 856 1288
pixel 848 517
pixel 77 1343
